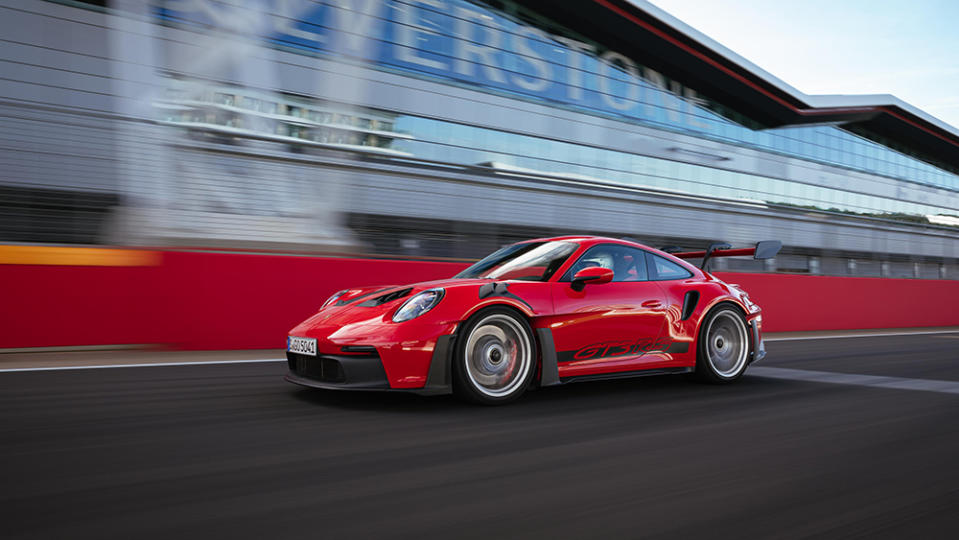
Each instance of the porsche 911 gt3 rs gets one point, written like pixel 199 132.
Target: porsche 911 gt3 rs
pixel 542 312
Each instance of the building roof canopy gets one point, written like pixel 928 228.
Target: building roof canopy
pixel 666 44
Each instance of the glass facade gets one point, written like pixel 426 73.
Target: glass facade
pixel 235 112
pixel 502 47
pixel 517 154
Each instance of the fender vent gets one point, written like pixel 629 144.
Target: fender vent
pixel 389 297
pixel 689 304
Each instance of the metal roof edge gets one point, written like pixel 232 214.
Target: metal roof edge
pixel 820 101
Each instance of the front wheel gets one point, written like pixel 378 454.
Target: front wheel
pixel 722 351
pixel 495 357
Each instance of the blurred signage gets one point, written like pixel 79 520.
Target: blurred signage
pixel 454 40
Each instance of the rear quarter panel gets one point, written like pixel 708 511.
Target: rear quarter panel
pixel 711 293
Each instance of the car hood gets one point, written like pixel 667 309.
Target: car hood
pixel 370 305
pixel 382 295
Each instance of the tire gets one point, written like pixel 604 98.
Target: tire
pixel 495 357
pixel 722 349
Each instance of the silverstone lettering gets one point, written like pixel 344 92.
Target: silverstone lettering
pixel 468 46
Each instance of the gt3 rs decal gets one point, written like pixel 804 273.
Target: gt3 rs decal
pixel 615 349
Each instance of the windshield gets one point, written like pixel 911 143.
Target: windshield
pixel 531 261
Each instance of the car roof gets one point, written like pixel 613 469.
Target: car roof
pixel 590 240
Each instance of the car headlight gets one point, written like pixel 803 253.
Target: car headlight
pixel 418 305
pixel 334 298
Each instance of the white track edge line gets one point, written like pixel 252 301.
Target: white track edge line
pixel 264 360
pixel 857 379
pixel 155 364
pixel 843 336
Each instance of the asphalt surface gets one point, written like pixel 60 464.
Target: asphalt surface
pixel 233 451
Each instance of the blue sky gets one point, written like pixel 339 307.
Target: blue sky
pixel 906 48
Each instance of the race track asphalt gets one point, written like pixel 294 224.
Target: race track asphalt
pixel 233 451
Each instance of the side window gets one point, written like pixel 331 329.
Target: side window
pixel 627 263
pixel 661 269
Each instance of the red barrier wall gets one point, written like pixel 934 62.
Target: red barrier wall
pixel 794 303
pixel 197 300
pixel 190 301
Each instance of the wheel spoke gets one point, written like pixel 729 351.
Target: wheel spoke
pixel 498 355
pixel 727 344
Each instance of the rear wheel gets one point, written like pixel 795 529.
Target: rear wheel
pixel 495 357
pixel 722 351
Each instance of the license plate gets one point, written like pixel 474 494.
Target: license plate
pixel 301 345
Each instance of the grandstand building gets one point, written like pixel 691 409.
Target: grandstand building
pixel 445 128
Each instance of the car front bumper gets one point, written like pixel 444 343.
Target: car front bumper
pixel 368 372
pixel 337 372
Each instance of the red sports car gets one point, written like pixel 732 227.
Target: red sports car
pixel 541 312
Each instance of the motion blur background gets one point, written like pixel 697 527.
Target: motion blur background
pixel 183 181
pixel 251 157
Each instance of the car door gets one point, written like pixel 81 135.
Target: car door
pixel 608 327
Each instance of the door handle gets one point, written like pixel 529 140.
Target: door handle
pixel 652 303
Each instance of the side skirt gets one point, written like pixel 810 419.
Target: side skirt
pixel 627 374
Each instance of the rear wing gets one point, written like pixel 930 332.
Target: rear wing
pixel 766 249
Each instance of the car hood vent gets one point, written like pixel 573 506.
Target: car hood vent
pixel 388 297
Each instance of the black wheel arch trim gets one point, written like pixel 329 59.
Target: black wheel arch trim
pixel 438 380
pixel 549 370
pixel 758 350
pixel 499 288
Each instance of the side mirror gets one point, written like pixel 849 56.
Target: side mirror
pixel 594 274
pixel 767 249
